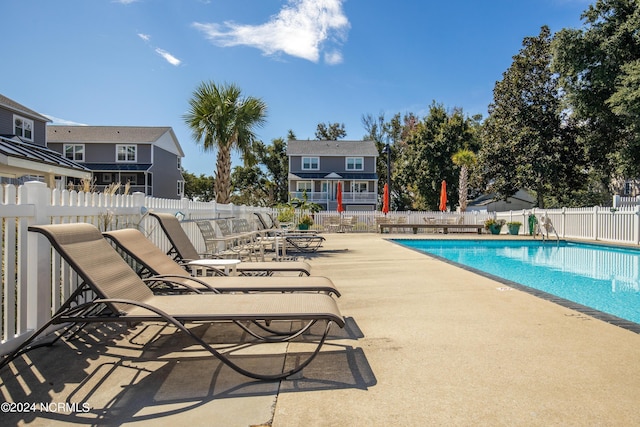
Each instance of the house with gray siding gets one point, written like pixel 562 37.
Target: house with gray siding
pixel 24 155
pixel 147 158
pixel 316 168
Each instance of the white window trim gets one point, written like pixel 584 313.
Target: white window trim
pixel 135 157
pixel 356 184
pixel 317 162
pixel 305 183
pixel 24 121
pixel 346 163
pixel 75 146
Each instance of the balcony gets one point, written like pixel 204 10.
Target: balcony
pixel 323 197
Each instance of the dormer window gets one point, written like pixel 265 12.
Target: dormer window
pixel 311 163
pixel 126 153
pixel 355 163
pixel 23 127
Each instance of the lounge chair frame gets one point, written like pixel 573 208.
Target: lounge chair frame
pixel 121 296
pixel 183 251
pixel 157 267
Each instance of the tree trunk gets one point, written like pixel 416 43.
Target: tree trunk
pixel 463 189
pixel 223 175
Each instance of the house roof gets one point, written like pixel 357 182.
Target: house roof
pixel 19 158
pixel 331 148
pixel 111 134
pixel 12 105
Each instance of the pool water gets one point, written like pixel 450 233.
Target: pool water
pixel 605 278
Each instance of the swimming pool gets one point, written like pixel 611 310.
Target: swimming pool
pixel 604 278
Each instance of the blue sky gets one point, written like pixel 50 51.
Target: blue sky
pixel 137 62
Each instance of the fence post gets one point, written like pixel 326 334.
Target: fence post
pixel 636 224
pixel 564 222
pixel 38 272
pixel 595 223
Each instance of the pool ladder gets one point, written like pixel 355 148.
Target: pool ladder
pixel 545 222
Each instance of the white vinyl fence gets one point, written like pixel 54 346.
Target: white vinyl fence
pixel 35 281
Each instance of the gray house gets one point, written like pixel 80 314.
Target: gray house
pixel 490 203
pixel 148 158
pixel 316 167
pixel 24 154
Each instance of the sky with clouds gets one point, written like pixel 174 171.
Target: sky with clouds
pixel 137 62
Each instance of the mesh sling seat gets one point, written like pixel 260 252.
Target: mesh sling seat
pixel 154 262
pixel 122 296
pixel 182 250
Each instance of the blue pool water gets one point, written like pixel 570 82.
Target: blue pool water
pixel 605 278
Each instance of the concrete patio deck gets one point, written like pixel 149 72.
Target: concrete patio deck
pixel 426 343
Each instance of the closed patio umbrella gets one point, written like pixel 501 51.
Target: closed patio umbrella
pixel 385 199
pixel 443 196
pixel 339 197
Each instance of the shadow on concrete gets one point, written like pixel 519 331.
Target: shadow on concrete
pixel 109 375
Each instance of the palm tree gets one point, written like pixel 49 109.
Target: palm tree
pixel 221 119
pixel 464 158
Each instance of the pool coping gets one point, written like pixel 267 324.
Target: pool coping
pixel 589 311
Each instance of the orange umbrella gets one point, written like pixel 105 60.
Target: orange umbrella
pixel 339 197
pixel 385 199
pixel 443 196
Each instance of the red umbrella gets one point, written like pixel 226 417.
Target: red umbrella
pixel 339 197
pixel 385 199
pixel 443 196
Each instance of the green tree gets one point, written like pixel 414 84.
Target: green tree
pixel 425 159
pixel 393 133
pixel 465 159
pixel 198 187
pixel 330 131
pixel 251 187
pixel 599 69
pixel 526 144
pixel 221 119
pixel 275 160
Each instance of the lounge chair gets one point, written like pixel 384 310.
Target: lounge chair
pixel 236 245
pixel 296 240
pixel 155 264
pixel 121 296
pixel 182 250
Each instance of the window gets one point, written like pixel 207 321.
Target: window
pixel 179 163
pixel 310 163
pixel 180 188
pixel 129 178
pixel 355 163
pixel 126 153
pixel 304 186
pixel 23 127
pixel 74 152
pixel 359 187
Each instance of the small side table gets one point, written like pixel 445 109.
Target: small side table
pixel 229 265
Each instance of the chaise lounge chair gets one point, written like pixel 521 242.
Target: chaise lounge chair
pixel 157 265
pixel 182 250
pixel 121 296
pixel 296 240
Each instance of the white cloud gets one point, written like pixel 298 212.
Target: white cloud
pixel 59 121
pixel 145 37
pixel 301 29
pixel 168 57
pixel 125 1
pixel 333 57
